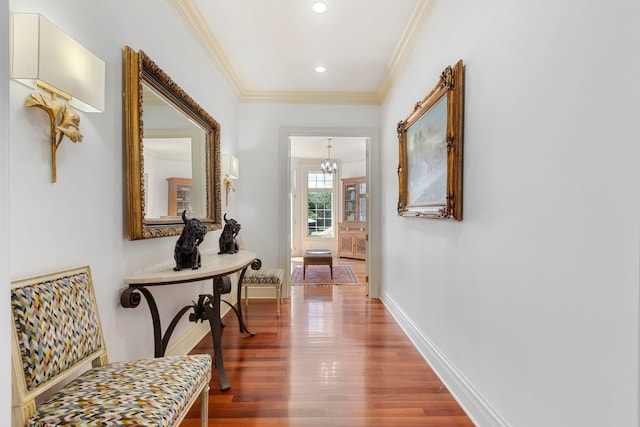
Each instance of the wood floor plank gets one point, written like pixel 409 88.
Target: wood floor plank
pixel 334 358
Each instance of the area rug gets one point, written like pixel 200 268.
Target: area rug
pixel 320 274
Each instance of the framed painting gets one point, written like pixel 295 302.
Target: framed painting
pixel 431 140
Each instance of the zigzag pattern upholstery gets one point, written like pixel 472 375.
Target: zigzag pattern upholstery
pixel 56 332
pixel 57 326
pixel 147 392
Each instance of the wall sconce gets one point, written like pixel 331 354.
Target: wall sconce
pixel 230 170
pixel 43 56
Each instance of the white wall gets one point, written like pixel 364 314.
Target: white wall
pixel 353 169
pixel 529 306
pixel 5 354
pixel 81 219
pixel 157 186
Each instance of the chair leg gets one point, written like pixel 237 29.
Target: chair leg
pixel 278 288
pixel 204 407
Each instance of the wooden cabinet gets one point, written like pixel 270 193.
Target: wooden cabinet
pixel 352 240
pixel 179 196
pixel 352 231
pixel 354 203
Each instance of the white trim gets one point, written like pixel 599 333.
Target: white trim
pixel 193 17
pixel 311 97
pixel 480 412
pixel 5 299
pixel 420 15
pixel 189 340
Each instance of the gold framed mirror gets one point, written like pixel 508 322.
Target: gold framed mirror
pixel 172 153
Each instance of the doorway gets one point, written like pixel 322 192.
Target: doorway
pixel 295 165
pixel 326 207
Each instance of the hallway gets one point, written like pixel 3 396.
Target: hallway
pixel 334 358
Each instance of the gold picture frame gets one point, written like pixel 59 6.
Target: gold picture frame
pixel 431 141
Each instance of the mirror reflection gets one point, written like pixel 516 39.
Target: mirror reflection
pixel 172 149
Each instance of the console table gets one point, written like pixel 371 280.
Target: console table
pixel 214 266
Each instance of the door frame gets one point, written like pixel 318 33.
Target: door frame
pixel 372 136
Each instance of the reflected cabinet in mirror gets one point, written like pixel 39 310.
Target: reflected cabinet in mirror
pixel 172 149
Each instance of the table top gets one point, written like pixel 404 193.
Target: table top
pixel 213 265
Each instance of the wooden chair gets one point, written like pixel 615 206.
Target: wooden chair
pixel 56 333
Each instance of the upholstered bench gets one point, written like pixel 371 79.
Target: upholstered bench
pixel 57 332
pixel 265 278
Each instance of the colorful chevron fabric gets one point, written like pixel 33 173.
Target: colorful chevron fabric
pixel 57 326
pixel 147 392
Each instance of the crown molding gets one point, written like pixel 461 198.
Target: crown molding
pixel 422 12
pixel 192 15
pixel 419 18
pixel 310 97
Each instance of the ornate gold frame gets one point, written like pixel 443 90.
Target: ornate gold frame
pixel 139 68
pixel 451 87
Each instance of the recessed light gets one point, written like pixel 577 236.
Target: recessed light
pixel 319 7
pixel 320 69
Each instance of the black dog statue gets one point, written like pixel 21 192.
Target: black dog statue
pixel 187 253
pixel 228 244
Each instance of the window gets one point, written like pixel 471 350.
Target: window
pixel 320 205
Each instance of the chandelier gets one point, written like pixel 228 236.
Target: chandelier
pixel 328 166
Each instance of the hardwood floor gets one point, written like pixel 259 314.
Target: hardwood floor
pixel 334 358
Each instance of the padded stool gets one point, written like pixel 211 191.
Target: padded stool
pixel 264 278
pixel 317 257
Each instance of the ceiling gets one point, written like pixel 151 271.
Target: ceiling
pixel 267 50
pixel 343 149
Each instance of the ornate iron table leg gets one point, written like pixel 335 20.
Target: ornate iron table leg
pixel 255 265
pixel 130 298
pixel 238 310
pixel 207 308
pixel 212 310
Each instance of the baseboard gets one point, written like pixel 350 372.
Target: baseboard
pixel 188 340
pixel 480 412
pixel 191 338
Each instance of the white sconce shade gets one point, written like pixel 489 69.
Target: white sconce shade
pixel 43 55
pixel 230 166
